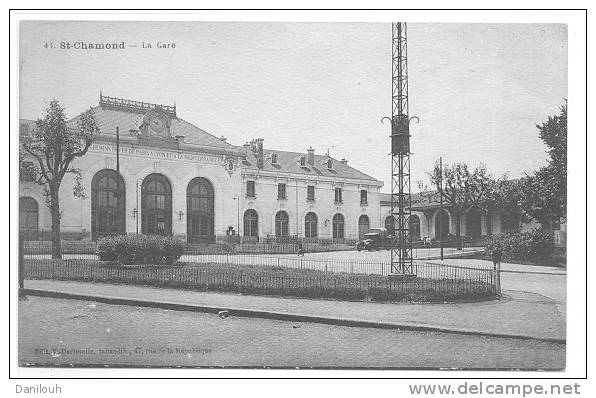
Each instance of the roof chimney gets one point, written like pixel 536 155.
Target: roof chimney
pixel 311 157
pixel 246 148
pixel 259 153
pixel 343 161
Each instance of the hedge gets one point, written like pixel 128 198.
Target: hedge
pixel 534 245
pixel 140 249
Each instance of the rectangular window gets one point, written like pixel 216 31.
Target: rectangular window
pixel 363 197
pixel 281 191
pixel 338 195
pixel 310 192
pixel 27 172
pixel 250 189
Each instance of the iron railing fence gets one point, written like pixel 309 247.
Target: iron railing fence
pixel 89 248
pixel 433 282
pixel 424 269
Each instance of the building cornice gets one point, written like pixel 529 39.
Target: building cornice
pixel 169 145
pixel 307 178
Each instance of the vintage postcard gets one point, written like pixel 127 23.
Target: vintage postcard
pixel 385 195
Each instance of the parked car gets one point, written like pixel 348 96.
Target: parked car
pixel 375 239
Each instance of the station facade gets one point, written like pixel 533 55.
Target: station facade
pixel 177 179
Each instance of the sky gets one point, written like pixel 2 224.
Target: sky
pixel 478 89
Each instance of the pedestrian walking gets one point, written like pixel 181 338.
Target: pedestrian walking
pixel 300 249
pixel 496 255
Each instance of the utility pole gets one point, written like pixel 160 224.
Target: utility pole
pixel 118 150
pixel 401 248
pixel 238 220
pixel 138 211
pixel 441 207
pixel 121 220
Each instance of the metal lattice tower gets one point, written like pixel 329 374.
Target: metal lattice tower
pixel 401 249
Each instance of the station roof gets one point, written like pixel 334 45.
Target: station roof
pixel 110 116
pixel 128 114
pixel 419 200
pixel 289 162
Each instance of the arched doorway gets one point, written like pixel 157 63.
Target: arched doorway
pixel 251 223
pixel 310 225
pixel 338 226
pixel 108 210
pixel 473 223
pixel 414 228
pixel 390 225
pixel 28 218
pixel 363 225
pixel 282 224
pixel 200 212
pixel 441 224
pixel 156 205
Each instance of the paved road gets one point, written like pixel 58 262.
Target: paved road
pixel 108 334
pixel 546 281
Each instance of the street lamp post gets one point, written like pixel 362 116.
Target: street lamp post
pixel 237 199
pixel 137 208
pixel 133 132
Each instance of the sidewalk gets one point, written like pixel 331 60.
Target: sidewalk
pixel 517 314
pixel 510 267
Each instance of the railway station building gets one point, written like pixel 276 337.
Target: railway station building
pixel 176 179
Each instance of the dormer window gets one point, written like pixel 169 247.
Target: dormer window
pixel 329 163
pixel 274 158
pixel 303 161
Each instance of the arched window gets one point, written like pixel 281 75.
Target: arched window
pixel 282 222
pixel 28 218
pixel 390 225
pixel 200 213
pixel 310 225
pixel 441 224
pixel 414 227
pixel 156 205
pixel 251 223
pixel 473 223
pixel 338 226
pixel 108 210
pixel 363 225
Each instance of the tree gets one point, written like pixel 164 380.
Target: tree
pixel 461 188
pixel 507 196
pixel 544 193
pixel 54 145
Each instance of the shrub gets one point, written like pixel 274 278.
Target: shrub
pixel 534 245
pixel 140 249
